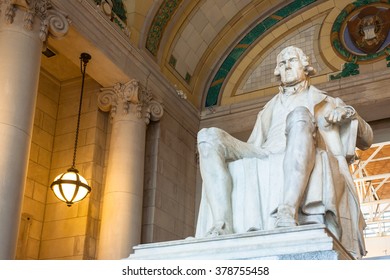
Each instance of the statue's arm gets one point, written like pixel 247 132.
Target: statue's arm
pixel 344 113
pixel 365 135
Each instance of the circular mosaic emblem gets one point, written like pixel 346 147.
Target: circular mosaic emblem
pixel 361 31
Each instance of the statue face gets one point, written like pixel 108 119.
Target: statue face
pixel 290 67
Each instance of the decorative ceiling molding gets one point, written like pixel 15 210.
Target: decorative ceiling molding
pixel 160 21
pixel 344 37
pixel 245 44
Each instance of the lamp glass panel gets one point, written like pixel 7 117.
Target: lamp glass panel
pixel 56 190
pixel 58 177
pixel 81 194
pixel 68 190
pixel 70 176
pixel 81 178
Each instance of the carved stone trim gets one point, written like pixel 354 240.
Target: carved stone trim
pixel 119 99
pixel 53 22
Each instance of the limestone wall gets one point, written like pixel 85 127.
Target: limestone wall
pixel 72 232
pixel 50 229
pixel 170 178
pixel 33 210
pixel 378 246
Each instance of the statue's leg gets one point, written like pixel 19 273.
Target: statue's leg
pixel 215 148
pixel 298 163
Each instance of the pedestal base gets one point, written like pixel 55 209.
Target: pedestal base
pixel 310 242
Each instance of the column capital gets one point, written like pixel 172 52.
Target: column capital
pixel 131 97
pixel 52 22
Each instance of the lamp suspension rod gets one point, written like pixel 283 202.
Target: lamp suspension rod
pixel 84 59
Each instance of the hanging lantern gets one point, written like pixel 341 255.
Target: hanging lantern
pixel 70 186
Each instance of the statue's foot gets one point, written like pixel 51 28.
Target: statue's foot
pixel 285 217
pixel 217 230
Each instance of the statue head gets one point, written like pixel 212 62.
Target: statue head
pixel 293 66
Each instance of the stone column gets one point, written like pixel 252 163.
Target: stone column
pixel 24 26
pixel 131 108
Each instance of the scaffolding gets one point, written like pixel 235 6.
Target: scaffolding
pixel 372 180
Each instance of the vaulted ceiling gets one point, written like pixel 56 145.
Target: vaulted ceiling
pixel 223 51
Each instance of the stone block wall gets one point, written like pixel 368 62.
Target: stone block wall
pixel 49 229
pixel 71 232
pixel 170 181
pixel 33 209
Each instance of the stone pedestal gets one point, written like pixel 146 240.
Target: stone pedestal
pixel 311 242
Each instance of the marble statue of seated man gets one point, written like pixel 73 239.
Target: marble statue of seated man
pixel 302 141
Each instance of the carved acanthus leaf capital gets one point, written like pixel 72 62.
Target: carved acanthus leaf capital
pixel 52 21
pixel 121 99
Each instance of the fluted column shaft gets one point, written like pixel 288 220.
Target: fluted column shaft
pixel 24 26
pixel 131 108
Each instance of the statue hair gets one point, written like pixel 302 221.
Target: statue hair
pixel 309 70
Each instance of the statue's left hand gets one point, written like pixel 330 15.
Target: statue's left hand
pixel 337 115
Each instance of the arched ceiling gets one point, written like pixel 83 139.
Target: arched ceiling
pixel 222 52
